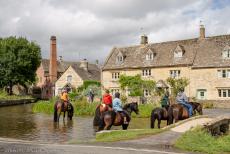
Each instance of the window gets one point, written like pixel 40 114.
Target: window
pixel 179 51
pixel 223 73
pixel 114 90
pixel 119 59
pixel 201 93
pixel 146 72
pixel 115 75
pixel 174 73
pixel 69 78
pixel 224 92
pixel 150 55
pixel 226 52
pixel 146 93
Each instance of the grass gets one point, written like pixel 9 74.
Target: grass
pixel 83 108
pixel 5 96
pixel 119 135
pixel 198 140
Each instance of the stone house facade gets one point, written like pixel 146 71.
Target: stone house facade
pixel 76 74
pixel 205 61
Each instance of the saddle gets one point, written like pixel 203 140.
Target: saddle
pixel 104 108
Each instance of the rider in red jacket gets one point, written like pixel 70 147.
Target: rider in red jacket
pixel 107 99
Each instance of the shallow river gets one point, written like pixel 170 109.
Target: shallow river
pixel 20 122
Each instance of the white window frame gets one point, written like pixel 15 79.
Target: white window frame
pixel 226 53
pixel 115 75
pixel 223 73
pixel 69 78
pixel 224 93
pixel 114 90
pixel 146 72
pixel 146 93
pixel 199 91
pixel 149 56
pixel 175 73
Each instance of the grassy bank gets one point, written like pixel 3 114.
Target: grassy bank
pixel 5 96
pixel 198 140
pixel 125 135
pixel 84 108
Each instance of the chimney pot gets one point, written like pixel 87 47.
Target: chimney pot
pixel 144 39
pixel 202 32
pixel 53 59
pixel 84 64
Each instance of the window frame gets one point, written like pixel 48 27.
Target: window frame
pixel 146 72
pixel 115 75
pixel 175 73
pixel 69 78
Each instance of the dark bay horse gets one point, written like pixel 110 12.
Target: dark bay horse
pixel 159 114
pixel 179 112
pixel 109 118
pixel 58 109
pixel 197 107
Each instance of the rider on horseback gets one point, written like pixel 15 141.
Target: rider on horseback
pixel 107 99
pixel 165 100
pixel 183 99
pixel 117 107
pixel 64 98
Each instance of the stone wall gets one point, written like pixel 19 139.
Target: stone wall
pixel 16 102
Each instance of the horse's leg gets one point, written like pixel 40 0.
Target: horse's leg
pixel 64 116
pixel 152 120
pixel 125 126
pixel 159 123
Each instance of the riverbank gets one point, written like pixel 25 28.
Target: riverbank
pixel 83 108
pixel 16 102
pixel 198 140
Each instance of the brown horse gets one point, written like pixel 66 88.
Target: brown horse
pixel 159 114
pixel 197 107
pixel 109 118
pixel 58 108
pixel 179 112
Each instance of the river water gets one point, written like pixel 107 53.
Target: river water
pixel 20 122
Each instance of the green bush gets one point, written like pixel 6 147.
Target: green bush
pixel 5 96
pixel 208 105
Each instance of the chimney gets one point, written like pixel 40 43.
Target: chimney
pixel 53 60
pixel 84 64
pixel 144 39
pixel 202 31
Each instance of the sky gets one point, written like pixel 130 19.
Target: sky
pixel 89 29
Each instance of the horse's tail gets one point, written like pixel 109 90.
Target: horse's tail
pixel 153 118
pixel 97 118
pixel 55 113
pixel 170 115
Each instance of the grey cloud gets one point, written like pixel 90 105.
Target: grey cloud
pixel 89 29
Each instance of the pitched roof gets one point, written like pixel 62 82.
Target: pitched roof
pixel 197 53
pixel 93 72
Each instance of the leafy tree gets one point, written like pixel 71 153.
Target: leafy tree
pixel 19 60
pixel 136 84
pixel 177 84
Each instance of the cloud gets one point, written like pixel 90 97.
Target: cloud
pixel 89 29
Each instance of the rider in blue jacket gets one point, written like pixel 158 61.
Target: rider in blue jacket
pixel 183 99
pixel 117 106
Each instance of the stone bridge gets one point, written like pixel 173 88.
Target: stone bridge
pixel 218 126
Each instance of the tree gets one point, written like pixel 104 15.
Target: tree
pixel 136 85
pixel 177 84
pixel 19 60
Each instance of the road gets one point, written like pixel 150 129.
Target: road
pixel 14 147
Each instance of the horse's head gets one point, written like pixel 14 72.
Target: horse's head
pixel 134 107
pixel 199 109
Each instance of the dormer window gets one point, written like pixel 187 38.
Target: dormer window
pixel 226 53
pixel 150 55
pixel 178 52
pixel 120 58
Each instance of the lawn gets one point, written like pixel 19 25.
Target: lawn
pixel 119 135
pixel 5 96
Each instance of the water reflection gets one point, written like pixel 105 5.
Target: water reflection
pixel 21 123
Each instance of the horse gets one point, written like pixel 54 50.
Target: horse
pixel 109 118
pixel 179 112
pixel 58 108
pixel 100 109
pixel 197 107
pixel 159 114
